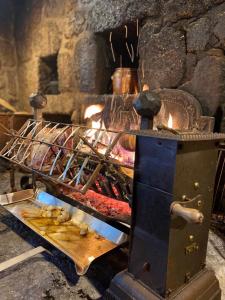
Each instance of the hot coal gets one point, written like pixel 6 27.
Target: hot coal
pixel 103 204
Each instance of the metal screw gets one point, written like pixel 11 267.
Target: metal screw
pixel 184 197
pixel 191 238
pixel 146 267
pixel 199 203
pixel 196 185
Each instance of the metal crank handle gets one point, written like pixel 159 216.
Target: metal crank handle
pixel 191 215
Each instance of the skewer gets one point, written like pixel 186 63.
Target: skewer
pixel 137 53
pixel 127 46
pixel 128 50
pixel 17 138
pixel 138 40
pixel 111 45
pixel 219 180
pixel 60 150
pixel 142 69
pixel 126 31
pixel 87 158
pixel 132 50
pixel 137 28
pixel 30 144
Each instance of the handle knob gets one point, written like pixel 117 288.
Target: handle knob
pixel 191 215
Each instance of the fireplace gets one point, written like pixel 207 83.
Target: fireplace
pixel 84 43
pixel 175 112
pixel 138 80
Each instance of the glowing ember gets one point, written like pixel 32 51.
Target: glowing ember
pixel 170 121
pixel 92 110
pixel 145 87
pixel 96 125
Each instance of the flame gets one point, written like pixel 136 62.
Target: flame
pixel 170 121
pixel 145 87
pixel 92 110
pixel 97 125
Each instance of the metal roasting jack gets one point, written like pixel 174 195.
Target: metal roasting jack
pixel 169 239
pixel 167 254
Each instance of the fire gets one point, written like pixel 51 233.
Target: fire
pixel 92 110
pixel 145 87
pixel 170 121
pixel 101 139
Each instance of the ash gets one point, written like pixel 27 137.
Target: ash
pixel 53 276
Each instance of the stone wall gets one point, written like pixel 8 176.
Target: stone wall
pixel 8 62
pixel 186 51
pixel 40 31
pixel 181 46
pixel 49 27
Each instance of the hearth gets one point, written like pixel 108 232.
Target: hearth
pixel 143 83
pixel 159 192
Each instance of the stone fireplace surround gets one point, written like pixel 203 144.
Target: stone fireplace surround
pixel 181 47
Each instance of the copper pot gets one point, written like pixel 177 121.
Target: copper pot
pixel 125 81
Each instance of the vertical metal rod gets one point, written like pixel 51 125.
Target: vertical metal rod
pixel 37 117
pixel 12 178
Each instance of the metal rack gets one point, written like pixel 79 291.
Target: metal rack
pixel 69 155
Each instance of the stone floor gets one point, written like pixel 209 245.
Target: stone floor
pixel 53 276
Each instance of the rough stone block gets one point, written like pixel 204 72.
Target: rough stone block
pixel 60 103
pixel 66 72
pixel 174 10
pixel 7 54
pixel 12 84
pixel 198 35
pixel 75 24
pixel 110 14
pixel 24 51
pixel 53 8
pixel 163 57
pixel 191 61
pixel 208 83
pixel 2 82
pixel 52 37
pixel 91 71
pixel 219 29
pixel 6 20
